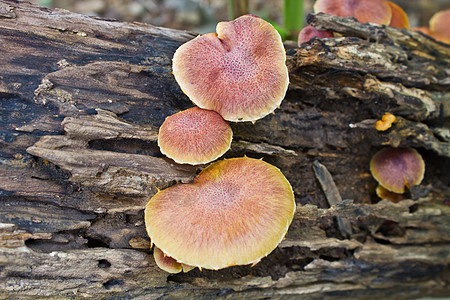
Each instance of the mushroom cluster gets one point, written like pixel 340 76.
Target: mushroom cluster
pixel 373 11
pixel 237 74
pixel 236 211
pixel 395 170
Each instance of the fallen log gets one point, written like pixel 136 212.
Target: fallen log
pixel 81 102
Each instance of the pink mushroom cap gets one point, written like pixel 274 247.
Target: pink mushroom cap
pixel 397 168
pixel 240 72
pixel 234 213
pixel 194 136
pixel 374 11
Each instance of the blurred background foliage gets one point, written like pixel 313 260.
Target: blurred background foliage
pixel 201 16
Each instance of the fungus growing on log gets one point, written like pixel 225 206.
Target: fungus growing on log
pixel 385 123
pixel 240 72
pixel 194 136
pixel 374 11
pixel 399 18
pixel 440 26
pixel 397 168
pixel 235 212
pixel 309 32
pixel 169 264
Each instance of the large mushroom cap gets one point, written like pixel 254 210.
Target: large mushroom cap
pixel 397 168
pixel 240 72
pixel 194 136
pixel 234 213
pixel 374 11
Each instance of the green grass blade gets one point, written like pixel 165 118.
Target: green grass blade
pixel 293 17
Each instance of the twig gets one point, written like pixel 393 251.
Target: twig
pixel 332 194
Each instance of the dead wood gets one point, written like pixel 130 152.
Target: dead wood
pixel 81 100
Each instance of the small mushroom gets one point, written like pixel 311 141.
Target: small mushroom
pixel 309 32
pixel 397 168
pixel 440 26
pixel 235 212
pixel 167 263
pixel 399 18
pixel 240 72
pixel 194 136
pixel 385 123
pixel 424 30
pixel 385 194
pixel 374 11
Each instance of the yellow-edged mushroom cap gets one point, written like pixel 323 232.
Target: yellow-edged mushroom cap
pixel 240 72
pixel 194 136
pixel 397 168
pixel 234 213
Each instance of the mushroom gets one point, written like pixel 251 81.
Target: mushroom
pixel 397 168
pixel 240 72
pixel 385 194
pixel 169 264
pixel 424 30
pixel 374 11
pixel 385 123
pixel 166 263
pixel 235 212
pixel 399 18
pixel 194 136
pixel 440 26
pixel 309 32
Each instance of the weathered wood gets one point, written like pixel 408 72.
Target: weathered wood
pixel 81 100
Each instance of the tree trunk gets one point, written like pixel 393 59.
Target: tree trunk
pixel 81 100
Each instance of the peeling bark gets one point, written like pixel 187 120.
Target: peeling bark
pixel 81 100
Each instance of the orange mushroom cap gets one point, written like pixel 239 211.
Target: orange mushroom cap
pixel 383 193
pixel 440 26
pixel 309 32
pixel 386 122
pixel 395 168
pixel 234 213
pixel 240 72
pixel 399 18
pixel 194 136
pixel 374 11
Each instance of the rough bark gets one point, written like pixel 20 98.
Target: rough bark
pixel 81 100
